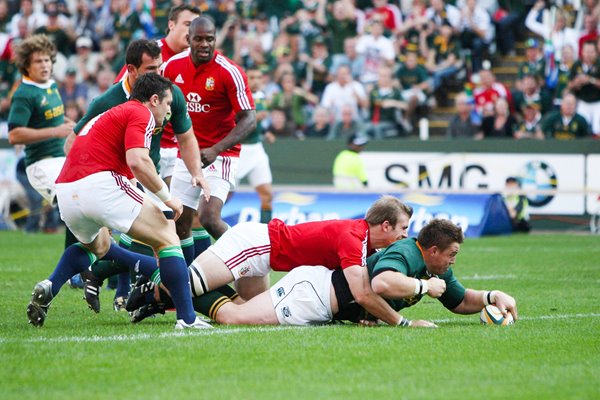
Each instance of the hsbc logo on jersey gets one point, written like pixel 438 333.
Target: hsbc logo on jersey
pixel 194 103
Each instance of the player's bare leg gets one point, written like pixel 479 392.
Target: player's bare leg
pixel 249 287
pixel 257 311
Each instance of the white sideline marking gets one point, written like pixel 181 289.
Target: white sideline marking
pixel 478 277
pixel 229 331
pixel 539 317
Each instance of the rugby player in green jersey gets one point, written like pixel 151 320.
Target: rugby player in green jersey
pixel 403 273
pixel 36 118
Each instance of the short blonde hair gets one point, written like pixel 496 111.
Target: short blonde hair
pixel 387 208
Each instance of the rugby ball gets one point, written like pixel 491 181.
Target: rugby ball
pixel 491 315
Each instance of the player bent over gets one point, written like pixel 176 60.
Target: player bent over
pixel 403 274
pixel 94 192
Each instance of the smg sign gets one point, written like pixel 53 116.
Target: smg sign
pixel 552 181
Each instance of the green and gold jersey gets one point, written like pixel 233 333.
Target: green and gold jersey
pixel 588 92
pixel 377 113
pixel 260 102
pixel 411 77
pixel 37 106
pixel 405 256
pixel 536 68
pixel 119 94
pixel 555 127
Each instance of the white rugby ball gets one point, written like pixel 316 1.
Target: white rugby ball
pixel 491 315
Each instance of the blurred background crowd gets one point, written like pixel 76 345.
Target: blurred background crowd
pixel 336 68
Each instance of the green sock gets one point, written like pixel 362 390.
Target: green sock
pixel 209 303
pixel 104 269
pixel 265 215
pixel 227 291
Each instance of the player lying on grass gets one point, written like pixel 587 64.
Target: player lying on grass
pixel 403 274
pixel 251 250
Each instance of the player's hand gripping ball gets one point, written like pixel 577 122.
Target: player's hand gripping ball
pixel 491 315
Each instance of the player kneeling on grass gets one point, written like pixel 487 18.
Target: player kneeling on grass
pixel 94 192
pixel 403 273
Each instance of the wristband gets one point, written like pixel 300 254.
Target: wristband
pixel 404 322
pixel 488 298
pixel 163 194
pixel 421 287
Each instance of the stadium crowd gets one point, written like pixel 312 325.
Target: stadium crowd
pixel 336 68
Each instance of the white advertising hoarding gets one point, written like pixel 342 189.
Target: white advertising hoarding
pixel 554 183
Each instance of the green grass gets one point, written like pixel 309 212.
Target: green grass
pixel 552 352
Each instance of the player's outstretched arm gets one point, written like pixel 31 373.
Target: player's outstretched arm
pixel 25 135
pixel 475 300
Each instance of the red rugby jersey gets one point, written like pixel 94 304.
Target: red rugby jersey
pixel 215 92
pixel 102 143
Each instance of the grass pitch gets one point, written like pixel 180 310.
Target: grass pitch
pixel 552 352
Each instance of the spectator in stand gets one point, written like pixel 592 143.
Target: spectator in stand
pixel 508 19
pixel 348 125
pixel 565 124
pixel 264 35
pixel 4 16
pixel 84 60
pixel 415 83
pixel 126 22
pixel 443 59
pixel 30 17
pixel 293 101
pixel 564 72
pixel 341 23
pixel 56 31
pixel 385 108
pixel 389 14
pixel 588 7
pixel 377 51
pixel 320 125
pixel 585 84
pixel 73 111
pixel 84 21
pixel 350 57
pixel 440 12
pixel 279 126
pixel 488 92
pixel 416 22
pixel 72 91
pixel 529 126
pixel 534 63
pixel 464 125
pixel 110 57
pixel 316 67
pixel 532 93
pixel 103 82
pixel 344 91
pixel 502 124
pixel 589 33
pixel 558 35
pixel 476 31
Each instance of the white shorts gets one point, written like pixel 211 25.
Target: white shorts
pixel 246 249
pixel 254 164
pixel 301 297
pixel 42 175
pixel 220 176
pixel 408 93
pixel 167 161
pixel 113 202
pixel 591 113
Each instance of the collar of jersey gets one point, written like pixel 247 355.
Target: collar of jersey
pixel 125 85
pixel 46 85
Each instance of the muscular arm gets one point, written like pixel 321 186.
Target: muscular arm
pixel 24 135
pixel 138 159
pixel 473 302
pixel 245 123
pixel 358 281
pixel 395 285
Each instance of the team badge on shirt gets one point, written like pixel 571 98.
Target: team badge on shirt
pixel 44 101
pixel 210 84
